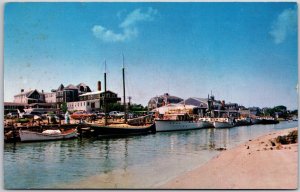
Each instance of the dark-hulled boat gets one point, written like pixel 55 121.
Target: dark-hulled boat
pixel 136 126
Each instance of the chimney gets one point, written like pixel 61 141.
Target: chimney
pixel 22 90
pixel 99 85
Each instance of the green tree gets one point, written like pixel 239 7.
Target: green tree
pixel 64 107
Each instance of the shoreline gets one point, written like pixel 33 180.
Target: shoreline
pixel 255 164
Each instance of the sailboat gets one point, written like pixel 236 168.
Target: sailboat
pixel 137 126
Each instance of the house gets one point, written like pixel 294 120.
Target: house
pixel 93 101
pixel 70 93
pixel 28 97
pixel 162 100
pixel 83 88
pixel 50 97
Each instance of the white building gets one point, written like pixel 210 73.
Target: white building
pixel 50 97
pixel 88 106
pixel 28 97
pixel 92 101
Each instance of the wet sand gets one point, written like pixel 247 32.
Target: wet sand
pixel 255 164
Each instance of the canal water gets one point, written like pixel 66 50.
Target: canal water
pixel 132 162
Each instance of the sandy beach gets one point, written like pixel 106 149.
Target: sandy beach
pixel 255 164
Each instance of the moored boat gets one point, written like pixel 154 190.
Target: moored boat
pixel 47 135
pixel 121 129
pixel 223 123
pixel 205 122
pixel 175 122
pixel 243 121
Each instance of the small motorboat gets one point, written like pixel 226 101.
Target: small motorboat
pixel 47 135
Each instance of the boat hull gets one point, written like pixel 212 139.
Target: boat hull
pixel 222 125
pixel 206 124
pixel 36 136
pixel 100 130
pixel 174 125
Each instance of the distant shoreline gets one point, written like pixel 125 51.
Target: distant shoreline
pixel 255 164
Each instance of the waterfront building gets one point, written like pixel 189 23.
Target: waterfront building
pixel 162 100
pixel 231 106
pixel 32 96
pixel 50 97
pixel 200 103
pixel 13 107
pixel 93 101
pixel 70 93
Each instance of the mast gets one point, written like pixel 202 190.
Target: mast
pixel 124 96
pixel 105 105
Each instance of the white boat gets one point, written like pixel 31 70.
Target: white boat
pixel 176 122
pixel 223 123
pixel 205 122
pixel 47 135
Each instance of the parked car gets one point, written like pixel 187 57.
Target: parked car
pixel 116 114
pixel 100 115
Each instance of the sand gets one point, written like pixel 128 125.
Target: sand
pixel 255 164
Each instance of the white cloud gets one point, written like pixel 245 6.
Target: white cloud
pixel 128 26
pixel 285 24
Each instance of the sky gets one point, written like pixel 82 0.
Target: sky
pixel 243 53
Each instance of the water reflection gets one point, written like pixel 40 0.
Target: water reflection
pixel 47 164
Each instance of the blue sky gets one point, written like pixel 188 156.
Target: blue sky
pixel 242 52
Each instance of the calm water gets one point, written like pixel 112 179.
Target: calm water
pixel 132 162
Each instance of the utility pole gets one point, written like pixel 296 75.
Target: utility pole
pixel 105 104
pixel 124 96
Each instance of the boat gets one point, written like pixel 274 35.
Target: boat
pixel 176 122
pixel 78 115
pixel 223 123
pixel 243 121
pixel 122 129
pixel 47 135
pixel 264 120
pixel 128 127
pixel 256 120
pixel 206 122
pixel 269 120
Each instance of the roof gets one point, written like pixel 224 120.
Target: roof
pixel 166 96
pixel 60 88
pixel 70 87
pixel 28 93
pixel 81 84
pixel 95 92
pixel 195 101
pixel 14 104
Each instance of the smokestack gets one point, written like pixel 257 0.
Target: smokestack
pixel 22 90
pixel 99 85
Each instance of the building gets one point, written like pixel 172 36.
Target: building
pixel 29 97
pixel 13 107
pixel 232 106
pixel 50 97
pixel 162 100
pixel 70 93
pixel 93 101
pixel 202 104
pixel 83 88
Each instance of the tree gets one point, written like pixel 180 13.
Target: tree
pixel 64 107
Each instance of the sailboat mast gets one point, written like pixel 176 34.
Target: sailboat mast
pixel 105 105
pixel 124 96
